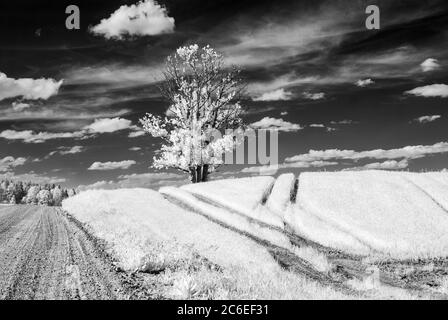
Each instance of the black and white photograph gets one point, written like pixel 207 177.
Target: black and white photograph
pixel 224 150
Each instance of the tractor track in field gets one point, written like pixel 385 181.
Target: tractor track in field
pixel 284 257
pixel 345 267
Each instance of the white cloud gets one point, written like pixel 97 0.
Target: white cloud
pixel 151 180
pixel 108 125
pixel 343 122
pixel 364 83
pixel 272 169
pixel 262 170
pixel 276 95
pixel 99 185
pixel 286 80
pixel 135 149
pixel 146 18
pixel 18 106
pixel 31 89
pixel 67 150
pixel 320 125
pixel 29 136
pixel 433 90
pixel 104 125
pixel 9 162
pixel 270 43
pixel 408 152
pixel 395 159
pixel 137 132
pixel 143 180
pixel 104 166
pixel 314 96
pixel 426 119
pixel 268 123
pixel 429 64
pixel 72 150
pixel 284 113
pixel 388 165
pixel 115 75
pixel 309 164
pixel 33 177
pixel 67 111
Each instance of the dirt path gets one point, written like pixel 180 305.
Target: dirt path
pixel 46 255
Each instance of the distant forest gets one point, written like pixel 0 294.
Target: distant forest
pixel 18 192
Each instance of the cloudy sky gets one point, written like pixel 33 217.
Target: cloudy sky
pixel 341 96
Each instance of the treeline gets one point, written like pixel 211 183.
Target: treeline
pixel 17 192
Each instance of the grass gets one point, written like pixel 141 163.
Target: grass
pixel 318 260
pixel 197 280
pixel 188 256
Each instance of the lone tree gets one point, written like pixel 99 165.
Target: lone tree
pixel 203 98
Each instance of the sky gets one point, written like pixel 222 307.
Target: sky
pixel 340 96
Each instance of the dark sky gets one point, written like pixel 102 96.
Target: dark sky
pixel 307 63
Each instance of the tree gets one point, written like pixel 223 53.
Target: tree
pixel 70 193
pixel 57 196
pixel 19 191
pixel 3 191
pixel 10 194
pixel 31 196
pixel 44 198
pixel 15 192
pixel 203 100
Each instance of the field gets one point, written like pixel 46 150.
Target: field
pixel 369 234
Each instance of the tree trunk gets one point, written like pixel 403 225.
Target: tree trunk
pixel 204 176
pixel 193 175
pixel 199 173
